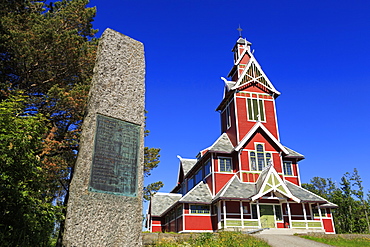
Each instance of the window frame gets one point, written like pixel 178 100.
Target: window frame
pixel 286 170
pixel 254 166
pixel 231 164
pixel 254 104
pixel 191 211
pixel 228 117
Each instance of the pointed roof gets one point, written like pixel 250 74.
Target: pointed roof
pixel 270 181
pixel 160 202
pixel 293 154
pixel 268 133
pixel 303 194
pixel 199 194
pixel 186 164
pixel 236 189
pixel 253 73
pixel 222 144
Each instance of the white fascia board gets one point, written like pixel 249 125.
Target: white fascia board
pixel 307 191
pixel 253 60
pixel 274 188
pixel 254 129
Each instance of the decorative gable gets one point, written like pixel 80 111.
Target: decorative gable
pixel 270 181
pixel 253 73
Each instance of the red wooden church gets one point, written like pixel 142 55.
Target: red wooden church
pixel 247 179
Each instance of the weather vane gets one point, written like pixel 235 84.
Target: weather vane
pixel 240 31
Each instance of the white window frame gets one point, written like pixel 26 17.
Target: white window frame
pixel 285 170
pixel 262 117
pixel 256 157
pixel 205 205
pixel 231 164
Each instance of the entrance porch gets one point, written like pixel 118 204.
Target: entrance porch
pixel 247 215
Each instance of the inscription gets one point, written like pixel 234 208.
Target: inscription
pixel 115 158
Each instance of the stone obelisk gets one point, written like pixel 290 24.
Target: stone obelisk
pixel 105 202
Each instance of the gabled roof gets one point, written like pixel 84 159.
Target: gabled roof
pixel 199 194
pixel 303 194
pixel 160 202
pixel 253 73
pixel 293 154
pixel 236 189
pixel 187 164
pixel 222 144
pixel 253 130
pixel 270 181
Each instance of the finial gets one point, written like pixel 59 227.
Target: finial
pixel 240 31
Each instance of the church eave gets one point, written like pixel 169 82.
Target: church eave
pixel 275 94
pixel 225 100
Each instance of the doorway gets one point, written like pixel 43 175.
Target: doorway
pixel 267 216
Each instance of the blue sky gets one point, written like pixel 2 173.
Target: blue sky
pixel 316 53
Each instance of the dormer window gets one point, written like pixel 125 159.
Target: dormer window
pixel 259 159
pixel 225 164
pixel 287 168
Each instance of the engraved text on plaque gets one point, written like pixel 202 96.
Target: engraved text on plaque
pixel 115 158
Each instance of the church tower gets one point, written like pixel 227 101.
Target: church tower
pixel 247 179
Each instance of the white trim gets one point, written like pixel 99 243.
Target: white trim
pixel 241 213
pixel 298 174
pixel 251 61
pixel 185 231
pixel 306 190
pixel 224 212
pixel 258 107
pixel 304 214
pixel 242 54
pixel 332 222
pixel 291 168
pixel 273 188
pixel 319 209
pixel 227 186
pixel 213 174
pixel 289 214
pixel 276 121
pixel 236 119
pixel 254 129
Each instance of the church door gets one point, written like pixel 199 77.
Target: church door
pixel 267 216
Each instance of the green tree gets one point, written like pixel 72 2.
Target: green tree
pixel 151 161
pixel 27 214
pixel 351 216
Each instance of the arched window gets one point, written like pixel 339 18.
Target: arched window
pixel 261 159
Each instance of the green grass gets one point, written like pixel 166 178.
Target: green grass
pixel 352 241
pixel 222 239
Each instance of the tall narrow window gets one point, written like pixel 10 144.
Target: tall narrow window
pixel 207 167
pixel 253 161
pixel 254 211
pixel 225 164
pixel 256 109
pixel 228 122
pixel 261 159
pixel 278 212
pixel 287 168
pixel 198 176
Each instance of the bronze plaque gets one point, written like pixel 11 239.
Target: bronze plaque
pixel 114 167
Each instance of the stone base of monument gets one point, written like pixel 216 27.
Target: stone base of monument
pixel 105 200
